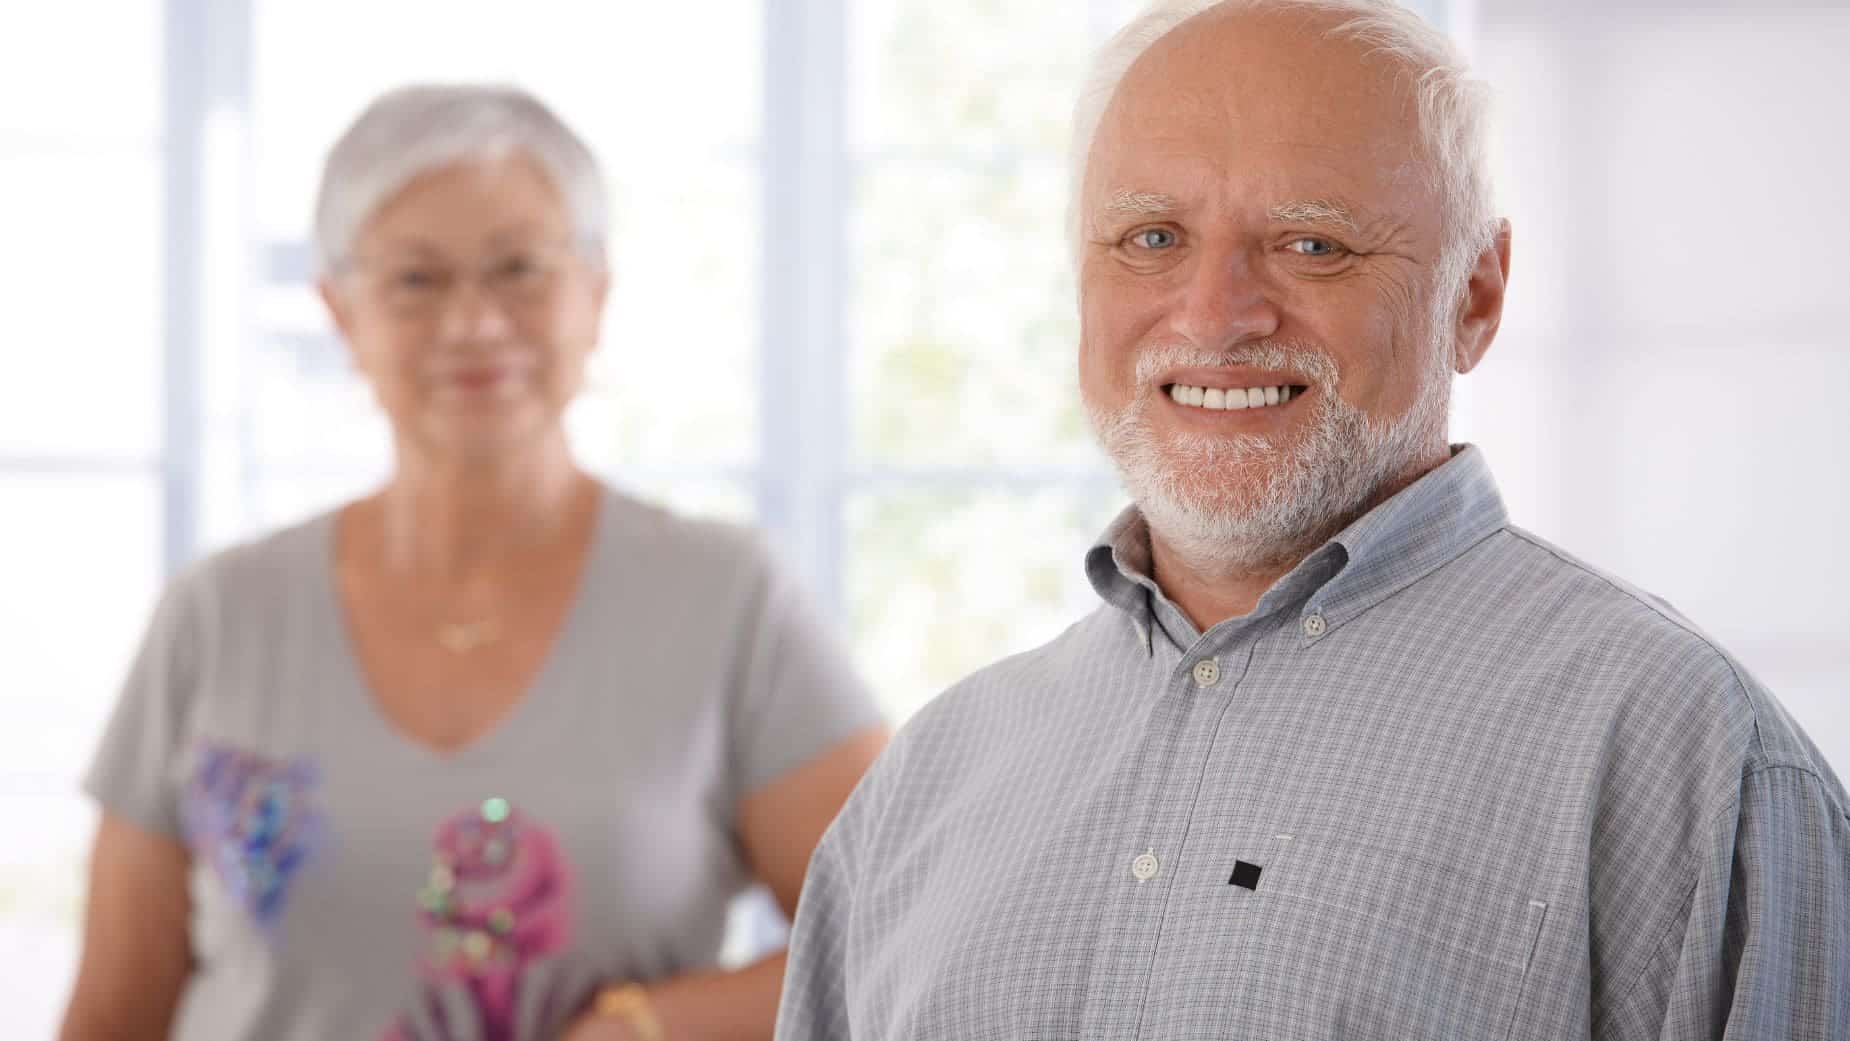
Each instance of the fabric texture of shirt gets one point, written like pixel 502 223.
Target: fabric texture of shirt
pixel 347 881
pixel 1444 782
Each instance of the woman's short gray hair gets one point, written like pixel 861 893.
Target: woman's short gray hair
pixel 413 130
pixel 1454 108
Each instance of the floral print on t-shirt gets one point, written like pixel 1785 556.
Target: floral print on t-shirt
pixel 255 821
pixel 498 902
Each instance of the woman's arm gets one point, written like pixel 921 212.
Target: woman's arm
pixel 779 826
pixel 136 955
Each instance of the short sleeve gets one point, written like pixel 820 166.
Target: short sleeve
pixel 1763 952
pixel 796 694
pixel 134 774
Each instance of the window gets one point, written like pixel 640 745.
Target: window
pixel 972 487
pixel 80 424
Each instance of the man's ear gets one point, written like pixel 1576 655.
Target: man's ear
pixel 1482 313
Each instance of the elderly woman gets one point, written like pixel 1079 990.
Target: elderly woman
pixel 488 753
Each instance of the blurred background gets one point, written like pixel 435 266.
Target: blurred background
pixel 843 312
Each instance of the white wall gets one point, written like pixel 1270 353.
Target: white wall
pixel 1668 395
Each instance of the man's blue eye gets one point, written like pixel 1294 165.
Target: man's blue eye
pixel 1314 247
pixel 1154 238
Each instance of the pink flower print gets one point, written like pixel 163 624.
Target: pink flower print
pixel 500 896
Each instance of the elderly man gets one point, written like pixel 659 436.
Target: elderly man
pixel 1343 754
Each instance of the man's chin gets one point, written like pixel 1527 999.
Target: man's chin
pixel 1254 514
pixel 1232 476
pixel 1217 536
pixel 1195 518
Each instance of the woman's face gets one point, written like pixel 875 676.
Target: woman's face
pixel 470 310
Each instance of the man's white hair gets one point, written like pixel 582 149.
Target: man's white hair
pixel 413 130
pixel 1454 109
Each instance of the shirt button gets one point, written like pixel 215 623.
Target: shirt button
pixel 1144 868
pixel 1315 626
pixel 1207 672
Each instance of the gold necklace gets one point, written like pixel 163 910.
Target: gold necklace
pixel 463 637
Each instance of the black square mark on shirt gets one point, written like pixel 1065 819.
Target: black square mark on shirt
pixel 1245 875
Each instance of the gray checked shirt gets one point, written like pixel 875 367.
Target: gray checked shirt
pixel 1445 782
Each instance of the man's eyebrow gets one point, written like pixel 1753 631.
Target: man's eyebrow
pixel 1127 203
pixel 1316 211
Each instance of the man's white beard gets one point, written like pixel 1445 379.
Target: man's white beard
pixel 1303 493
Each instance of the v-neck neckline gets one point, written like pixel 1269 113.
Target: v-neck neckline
pixel 518 715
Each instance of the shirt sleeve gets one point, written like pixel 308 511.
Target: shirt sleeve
pixel 796 693
pixel 815 1000
pixel 134 773
pixel 1764 951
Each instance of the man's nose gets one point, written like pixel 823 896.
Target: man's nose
pixel 1224 302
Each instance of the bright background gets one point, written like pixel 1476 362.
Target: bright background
pixel 843 312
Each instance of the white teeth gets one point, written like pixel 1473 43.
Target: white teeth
pixel 1218 399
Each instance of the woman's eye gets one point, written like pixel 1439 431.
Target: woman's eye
pixel 1154 238
pixel 1314 247
pixel 415 279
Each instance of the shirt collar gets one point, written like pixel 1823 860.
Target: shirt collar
pixel 1425 526
pixel 1118 566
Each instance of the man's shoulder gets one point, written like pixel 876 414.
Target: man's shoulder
pixel 987 713
pixel 1607 636
pixel 961 747
pixel 1019 681
pixel 1562 598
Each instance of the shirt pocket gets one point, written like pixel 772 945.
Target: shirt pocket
pixel 1374 943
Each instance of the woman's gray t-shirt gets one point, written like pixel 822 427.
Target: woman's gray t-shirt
pixel 348 882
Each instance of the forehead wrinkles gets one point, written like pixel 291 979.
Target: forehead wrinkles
pixel 1234 76
pixel 1259 115
pixel 1278 183
pixel 1142 149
